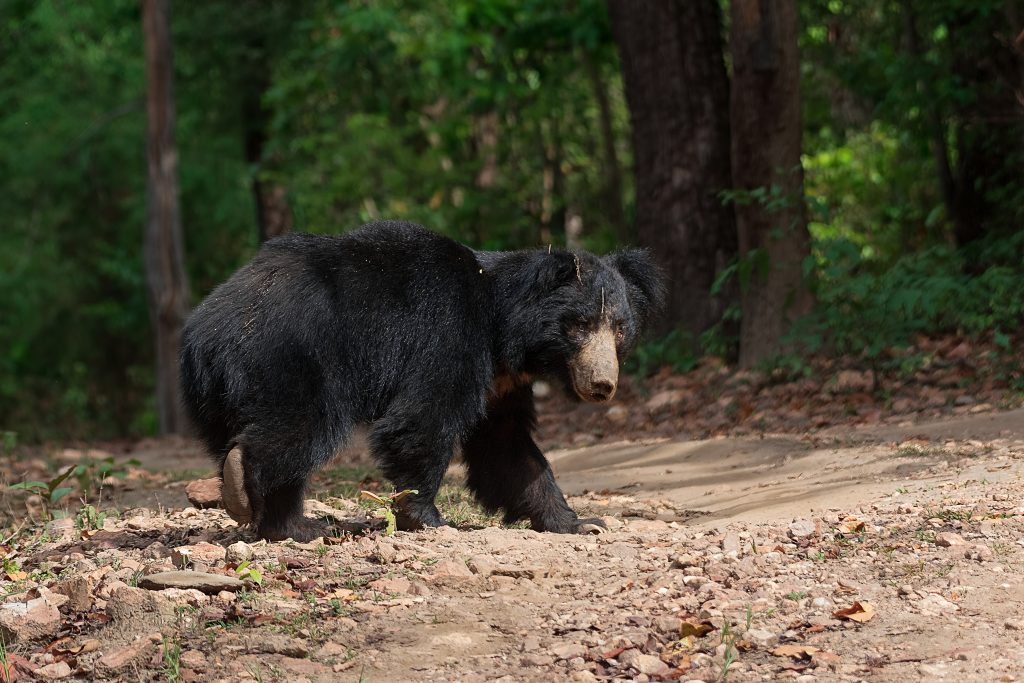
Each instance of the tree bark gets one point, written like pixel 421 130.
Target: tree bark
pixel 163 247
pixel 766 146
pixel 678 96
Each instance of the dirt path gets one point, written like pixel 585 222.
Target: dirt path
pixel 727 559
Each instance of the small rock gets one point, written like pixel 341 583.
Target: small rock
pixel 935 604
pixel 128 603
pixel 482 565
pixel 645 664
pixel 731 545
pixel 275 644
pixel 617 414
pixel 945 539
pixel 36 619
pixel 612 522
pixel 201 553
pixel 802 528
pixel 536 659
pixel 79 592
pixel 204 493
pixel 53 671
pixel 568 651
pixel 119 660
pixel 451 567
pixel 665 399
pixel 210 584
pixel 668 625
pixel 980 553
pixel 193 659
pixel 762 638
pixel 238 552
pixel 685 560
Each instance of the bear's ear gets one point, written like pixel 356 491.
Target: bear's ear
pixel 645 281
pixel 552 270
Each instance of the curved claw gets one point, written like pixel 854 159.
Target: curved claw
pixel 591 525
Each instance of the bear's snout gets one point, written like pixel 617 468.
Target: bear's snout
pixel 595 369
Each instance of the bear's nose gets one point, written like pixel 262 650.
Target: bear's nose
pixel 602 390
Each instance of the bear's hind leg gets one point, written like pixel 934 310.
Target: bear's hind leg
pixel 276 472
pixel 507 471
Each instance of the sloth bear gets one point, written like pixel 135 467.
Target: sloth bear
pixel 431 343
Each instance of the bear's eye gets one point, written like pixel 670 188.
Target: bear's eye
pixel 620 331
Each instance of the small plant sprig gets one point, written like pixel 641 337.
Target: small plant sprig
pixel 246 571
pixel 51 491
pixel 387 503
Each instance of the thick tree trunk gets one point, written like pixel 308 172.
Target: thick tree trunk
pixel 678 95
pixel 766 145
pixel 163 248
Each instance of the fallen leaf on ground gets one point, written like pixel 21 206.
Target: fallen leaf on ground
pixel 858 611
pixel 701 629
pixel 851 525
pixel 795 651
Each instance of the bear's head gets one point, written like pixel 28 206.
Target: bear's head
pixel 582 314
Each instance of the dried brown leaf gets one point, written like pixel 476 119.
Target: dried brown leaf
pixel 858 611
pixel 798 652
pixel 696 629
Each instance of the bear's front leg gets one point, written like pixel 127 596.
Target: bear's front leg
pixel 507 471
pixel 414 456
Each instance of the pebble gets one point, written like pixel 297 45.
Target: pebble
pixel 238 552
pixel 802 528
pixel 946 539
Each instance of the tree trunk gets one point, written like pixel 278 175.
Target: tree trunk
pixel 678 96
pixel 766 145
pixel 163 248
pixel 612 168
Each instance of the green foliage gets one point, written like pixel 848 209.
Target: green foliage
pixel 249 573
pixel 89 518
pixel 387 504
pixel 51 491
pixel 478 118
pixel 674 350
pixel 864 309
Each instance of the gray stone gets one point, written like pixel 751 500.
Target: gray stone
pixel 210 584
pixel 22 622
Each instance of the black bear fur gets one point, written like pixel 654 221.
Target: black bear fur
pixel 433 344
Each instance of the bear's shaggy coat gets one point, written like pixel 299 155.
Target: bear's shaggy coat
pixel 431 343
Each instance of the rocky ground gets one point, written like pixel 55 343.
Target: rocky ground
pixel 887 551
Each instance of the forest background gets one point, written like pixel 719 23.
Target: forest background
pixel 816 177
